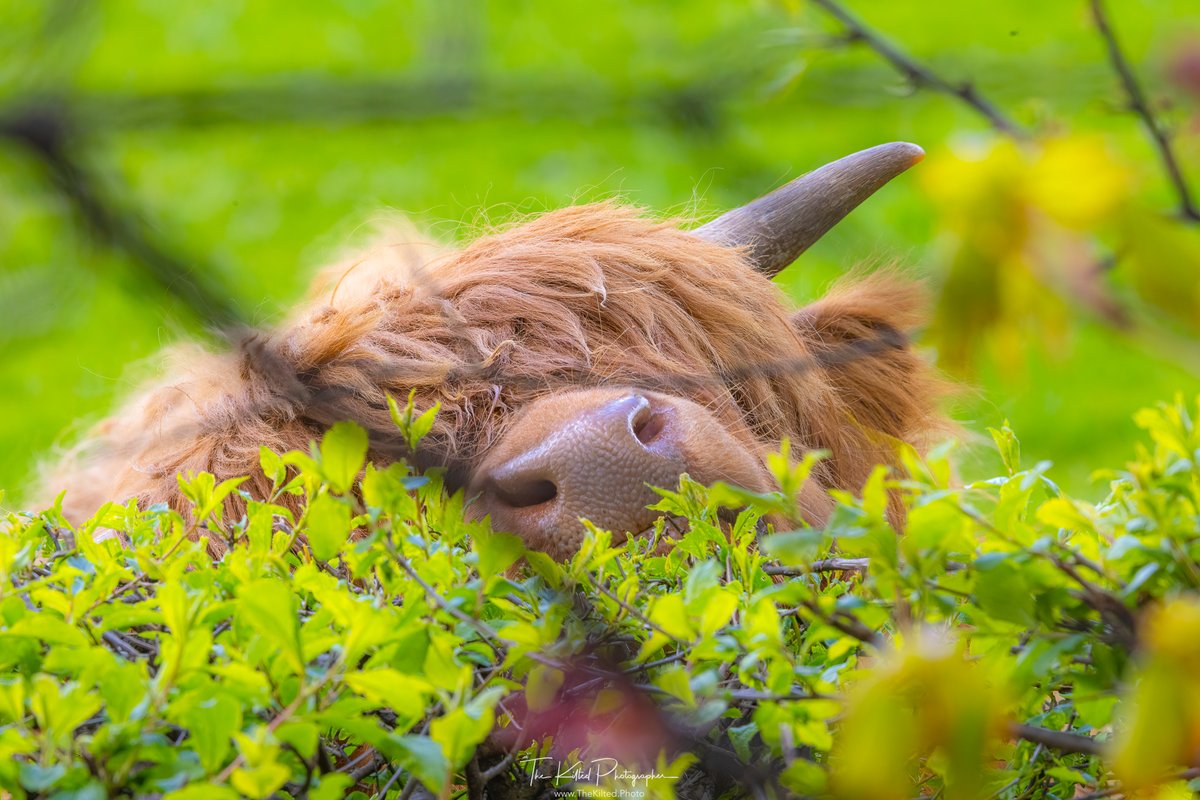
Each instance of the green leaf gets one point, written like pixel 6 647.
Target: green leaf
pixel 327 526
pixel 741 736
pixel 412 426
pixel 331 786
pixel 390 688
pixel 1008 446
pixel 1003 592
pixel 203 791
pixel 388 490
pixel 497 552
pixel 675 681
pixel 718 608
pixel 272 465
pixel 1062 512
pixel 795 547
pixel 211 725
pixel 12 699
pixel 261 781
pixel 541 687
pixel 270 608
pixel 669 613
pixel 343 451
pixel 123 688
pixel 460 730
pixel 36 778
pixel 1096 712
pixel 804 778
pixel 301 735
pixel 424 759
pixel 1068 776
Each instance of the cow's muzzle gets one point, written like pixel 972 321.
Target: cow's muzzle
pixel 594 454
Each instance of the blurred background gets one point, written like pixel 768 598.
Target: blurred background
pixel 166 168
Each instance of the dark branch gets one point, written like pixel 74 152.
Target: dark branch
pixel 1060 741
pixel 921 75
pixel 822 565
pixel 45 130
pixel 696 106
pixel 1139 105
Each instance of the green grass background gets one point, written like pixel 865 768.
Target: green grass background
pixel 682 107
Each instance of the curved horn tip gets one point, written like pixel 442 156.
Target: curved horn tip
pixel 913 153
pixel 779 226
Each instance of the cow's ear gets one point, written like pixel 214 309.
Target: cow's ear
pixel 859 333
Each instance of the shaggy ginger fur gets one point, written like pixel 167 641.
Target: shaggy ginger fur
pixel 587 295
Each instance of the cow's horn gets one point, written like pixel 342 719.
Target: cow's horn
pixel 778 227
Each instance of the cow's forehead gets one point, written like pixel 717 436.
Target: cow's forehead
pixel 590 255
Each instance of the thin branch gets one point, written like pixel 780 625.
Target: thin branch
pixel 1113 613
pixel 47 132
pixel 1060 741
pixel 633 612
pixel 117 642
pixel 755 696
pixel 921 75
pixel 821 565
pixel 476 785
pixel 485 631
pixel 409 787
pixel 847 624
pixel 680 656
pixel 287 713
pixel 374 764
pixel 1139 106
pixel 498 769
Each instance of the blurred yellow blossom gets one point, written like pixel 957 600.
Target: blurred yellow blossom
pixel 925 701
pixel 1077 181
pixel 1018 223
pixel 1160 729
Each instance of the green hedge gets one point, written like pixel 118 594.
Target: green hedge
pixel 1013 642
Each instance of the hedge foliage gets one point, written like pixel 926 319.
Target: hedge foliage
pixel 1013 642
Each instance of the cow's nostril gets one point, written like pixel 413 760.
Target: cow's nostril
pixel 526 494
pixel 647 424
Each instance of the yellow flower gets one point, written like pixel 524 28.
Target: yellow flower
pixel 1077 182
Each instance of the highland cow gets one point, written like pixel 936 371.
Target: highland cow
pixel 577 358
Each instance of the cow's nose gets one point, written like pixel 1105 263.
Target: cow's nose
pixel 596 465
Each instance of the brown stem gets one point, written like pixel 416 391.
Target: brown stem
pixel 1139 106
pixel 821 565
pixel 921 75
pixel 1060 741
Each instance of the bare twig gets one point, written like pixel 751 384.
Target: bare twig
pixel 921 75
pixel 374 764
pixel 755 696
pixel 1113 613
pixel 117 642
pixel 485 632
pixel 47 132
pixel 390 781
pixel 1139 105
pixel 409 787
pixel 633 612
pixel 498 769
pixel 821 565
pixel 680 656
pixel 1060 741
pixel 847 624
pixel 476 785
pixel 287 713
